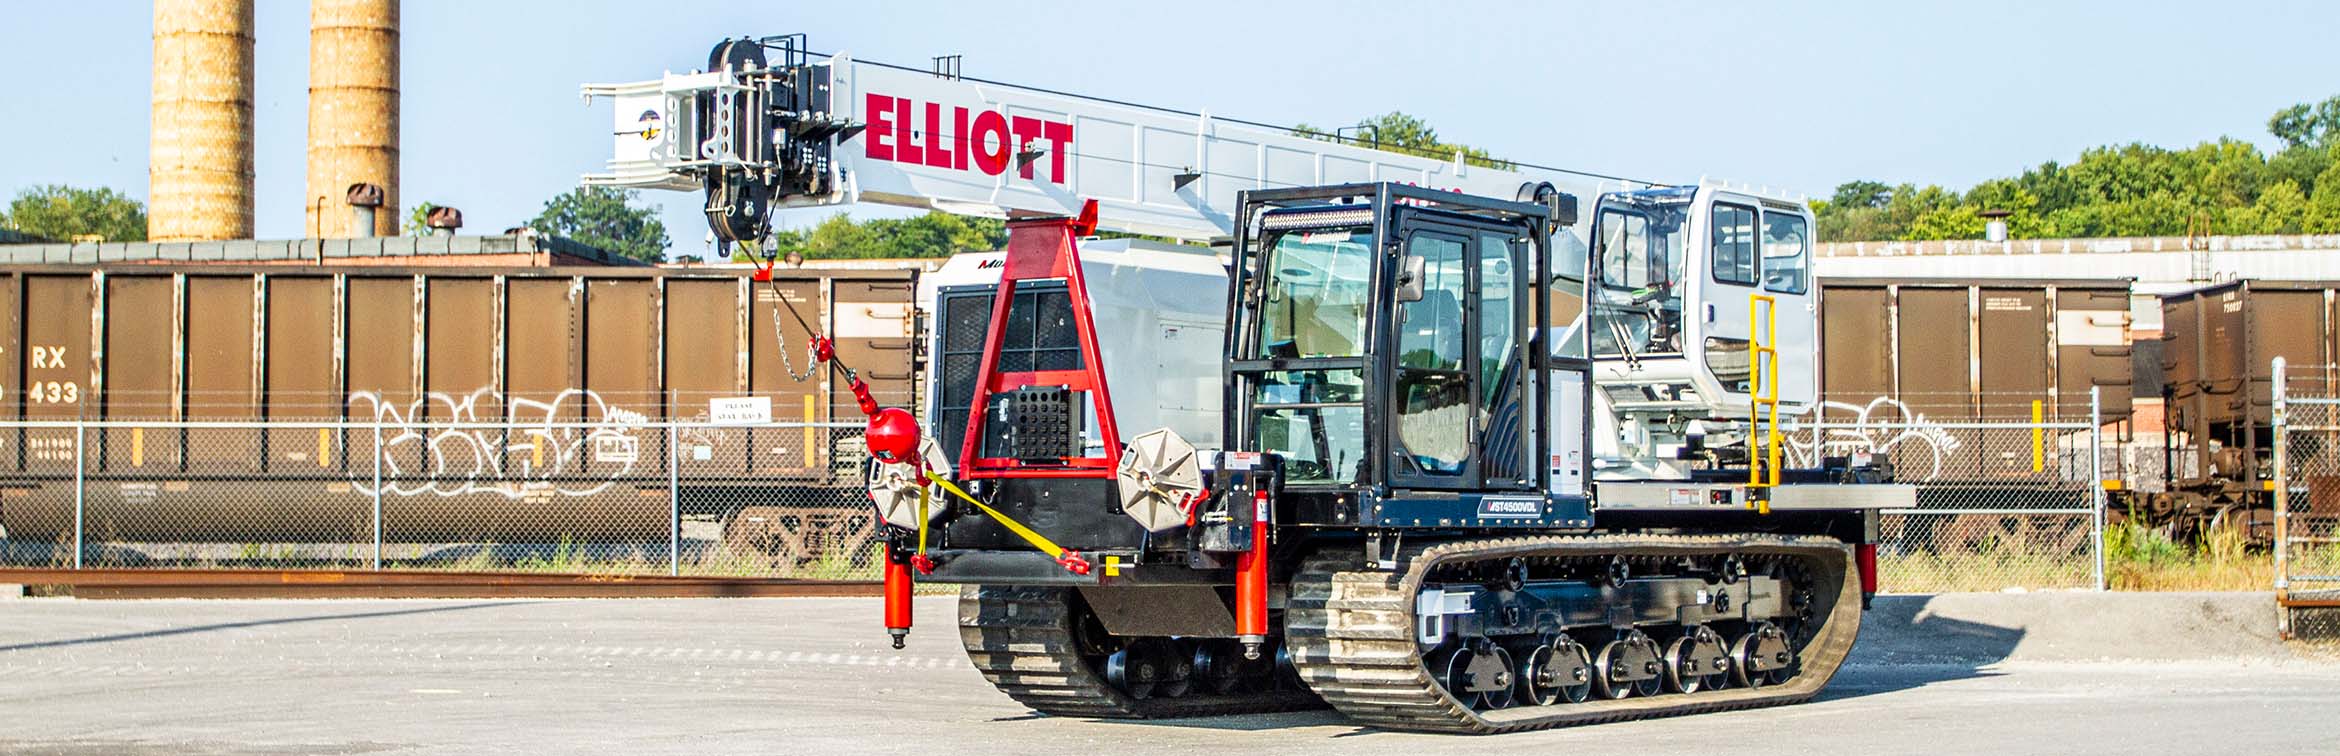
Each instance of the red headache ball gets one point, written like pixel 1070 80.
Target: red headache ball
pixel 892 435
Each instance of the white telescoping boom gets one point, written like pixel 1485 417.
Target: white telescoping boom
pixel 905 137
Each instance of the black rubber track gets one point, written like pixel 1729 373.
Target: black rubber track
pixel 1350 631
pixel 1021 638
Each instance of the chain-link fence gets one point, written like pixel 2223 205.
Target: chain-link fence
pixel 2009 495
pixel 621 496
pixel 2002 503
pixel 2306 540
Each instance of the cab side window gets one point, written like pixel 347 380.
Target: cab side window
pixel 1734 245
pixel 1787 245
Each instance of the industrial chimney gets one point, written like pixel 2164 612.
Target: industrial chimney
pixel 199 163
pixel 353 111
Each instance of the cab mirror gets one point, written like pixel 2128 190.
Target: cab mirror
pixel 1409 283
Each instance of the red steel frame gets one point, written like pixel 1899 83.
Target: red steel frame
pixel 1043 249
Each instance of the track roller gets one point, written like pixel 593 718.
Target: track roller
pixel 1761 656
pixel 1697 661
pixel 1628 665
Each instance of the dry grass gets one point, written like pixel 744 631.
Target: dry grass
pixel 2143 559
pixel 2136 559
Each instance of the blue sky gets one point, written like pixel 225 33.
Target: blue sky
pixel 1796 95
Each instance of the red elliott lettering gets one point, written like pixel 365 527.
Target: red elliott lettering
pixel 902 130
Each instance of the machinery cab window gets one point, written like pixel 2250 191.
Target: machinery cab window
pixel 1317 293
pixel 1434 394
pixel 1639 241
pixel 1787 248
pixel 1734 245
pixel 1460 373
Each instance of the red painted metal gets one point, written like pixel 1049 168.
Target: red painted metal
pixel 1866 555
pixel 1251 580
pixel 898 585
pixel 892 435
pixel 1043 249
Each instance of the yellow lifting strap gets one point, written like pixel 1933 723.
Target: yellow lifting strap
pixel 921 520
pixel 1037 540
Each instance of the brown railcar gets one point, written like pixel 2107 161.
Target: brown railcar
pixel 607 348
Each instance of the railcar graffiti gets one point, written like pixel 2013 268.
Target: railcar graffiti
pixel 434 447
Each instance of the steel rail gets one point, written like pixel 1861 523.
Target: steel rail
pixel 172 583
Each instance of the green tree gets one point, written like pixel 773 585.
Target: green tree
pixel 2323 207
pixel 63 213
pixel 606 219
pixel 2305 125
pixel 2280 209
pixel 2228 186
pixel 1397 132
pixel 1860 194
pixel 2301 165
pixel 935 234
pixel 418 219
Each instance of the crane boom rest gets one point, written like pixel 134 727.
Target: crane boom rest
pixel 1471 473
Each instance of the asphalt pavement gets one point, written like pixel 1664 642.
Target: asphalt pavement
pixel 815 676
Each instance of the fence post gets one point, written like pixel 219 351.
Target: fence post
pixel 673 505
pixel 2096 478
pixel 2282 418
pixel 377 496
pixel 80 488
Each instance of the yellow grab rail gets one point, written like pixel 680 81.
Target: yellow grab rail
pixel 1763 436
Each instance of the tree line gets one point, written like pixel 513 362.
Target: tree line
pixel 2229 186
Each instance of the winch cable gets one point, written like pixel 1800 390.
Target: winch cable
pixel 764 262
pixel 1070 559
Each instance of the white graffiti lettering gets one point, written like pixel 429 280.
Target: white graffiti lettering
pixel 574 445
pixel 1883 426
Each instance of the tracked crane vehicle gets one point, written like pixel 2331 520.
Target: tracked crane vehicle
pixel 1437 461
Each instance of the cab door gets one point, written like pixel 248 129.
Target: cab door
pixel 1727 312
pixel 1459 416
pixel 1783 239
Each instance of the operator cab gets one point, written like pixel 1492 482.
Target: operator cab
pixel 1692 283
pixel 1387 345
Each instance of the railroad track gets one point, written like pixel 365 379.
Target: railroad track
pixel 175 583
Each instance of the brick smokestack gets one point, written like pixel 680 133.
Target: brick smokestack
pixel 199 162
pixel 353 111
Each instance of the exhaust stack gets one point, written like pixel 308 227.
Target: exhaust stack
pixel 199 166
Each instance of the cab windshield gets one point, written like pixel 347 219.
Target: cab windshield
pixel 1318 289
pixel 1317 295
pixel 1640 241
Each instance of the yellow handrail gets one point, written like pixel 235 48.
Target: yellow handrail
pixel 1763 437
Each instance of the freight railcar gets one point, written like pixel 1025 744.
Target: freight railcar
pixel 590 354
pixel 1917 369
pixel 2219 345
pixel 2187 408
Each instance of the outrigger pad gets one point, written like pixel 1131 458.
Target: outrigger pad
pixel 1159 476
pixel 895 488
